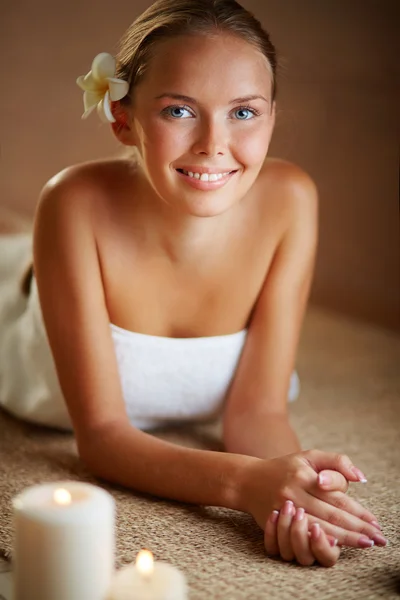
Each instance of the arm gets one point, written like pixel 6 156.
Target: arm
pixel 256 417
pixel 262 435
pixel 77 324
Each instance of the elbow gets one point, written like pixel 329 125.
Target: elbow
pixel 95 448
pixel 90 454
pixel 107 450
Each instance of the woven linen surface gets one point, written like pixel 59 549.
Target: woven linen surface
pixel 349 403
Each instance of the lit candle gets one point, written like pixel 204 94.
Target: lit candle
pixel 148 580
pixel 64 542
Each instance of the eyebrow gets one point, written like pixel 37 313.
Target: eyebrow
pixel 194 101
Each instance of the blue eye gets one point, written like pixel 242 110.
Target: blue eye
pixel 243 110
pixel 243 113
pixel 176 111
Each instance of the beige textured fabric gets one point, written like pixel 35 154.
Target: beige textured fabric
pixel 350 403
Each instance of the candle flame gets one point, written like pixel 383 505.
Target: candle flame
pixel 62 496
pixel 145 562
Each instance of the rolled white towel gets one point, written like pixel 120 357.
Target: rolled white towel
pixel 15 253
pixel 294 388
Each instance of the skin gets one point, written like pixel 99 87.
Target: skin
pixel 169 213
pixel 240 256
pixel 287 535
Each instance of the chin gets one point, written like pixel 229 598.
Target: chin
pixel 208 207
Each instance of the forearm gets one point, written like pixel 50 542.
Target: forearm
pixel 260 435
pixel 142 462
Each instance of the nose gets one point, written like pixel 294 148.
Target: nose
pixel 210 138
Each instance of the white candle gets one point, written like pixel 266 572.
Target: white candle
pixel 64 542
pixel 148 580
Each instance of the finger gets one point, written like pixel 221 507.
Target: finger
pixel 332 540
pixel 344 536
pixel 350 530
pixel 270 534
pixel 348 504
pixel 320 461
pixel 332 480
pixel 324 553
pixel 338 513
pixel 284 523
pixel 299 539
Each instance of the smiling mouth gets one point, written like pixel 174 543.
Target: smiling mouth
pixel 205 176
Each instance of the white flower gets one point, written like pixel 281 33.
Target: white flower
pixel 100 86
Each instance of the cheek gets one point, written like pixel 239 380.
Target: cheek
pixel 252 147
pixel 164 139
pixel 164 142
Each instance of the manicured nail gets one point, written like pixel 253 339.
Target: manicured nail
pixel 333 541
pixel 359 474
pixel 365 542
pixel 288 508
pixel 379 539
pixel 376 524
pixel 315 531
pixel 274 516
pixel 324 479
pixel 299 514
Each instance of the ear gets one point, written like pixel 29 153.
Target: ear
pixel 273 115
pixel 122 127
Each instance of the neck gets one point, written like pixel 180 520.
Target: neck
pixel 183 237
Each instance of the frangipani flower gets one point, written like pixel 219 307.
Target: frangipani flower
pixel 100 86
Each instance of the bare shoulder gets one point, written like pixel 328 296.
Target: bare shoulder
pixel 78 197
pixel 290 182
pixel 69 207
pixel 292 196
pixel 85 180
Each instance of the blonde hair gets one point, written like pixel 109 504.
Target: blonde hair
pixel 166 19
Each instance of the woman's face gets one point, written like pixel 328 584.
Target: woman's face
pixel 203 107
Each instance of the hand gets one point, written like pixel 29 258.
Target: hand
pixel 269 483
pixel 287 535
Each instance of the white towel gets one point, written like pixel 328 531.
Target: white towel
pixel 164 380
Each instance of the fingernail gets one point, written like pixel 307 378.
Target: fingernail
pixel 359 474
pixel 379 539
pixel 287 509
pixel 324 479
pixel 315 531
pixel 365 542
pixel 274 516
pixel 333 541
pixel 376 524
pixel 299 514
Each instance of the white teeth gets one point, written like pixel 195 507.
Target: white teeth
pixel 206 176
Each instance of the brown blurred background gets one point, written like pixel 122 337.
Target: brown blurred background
pixel 338 101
